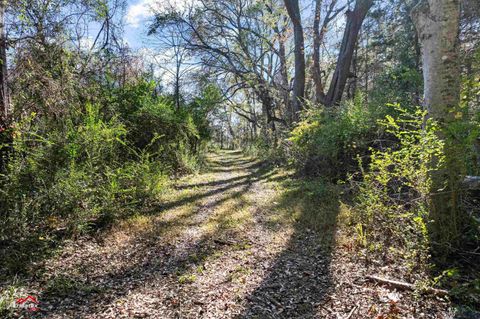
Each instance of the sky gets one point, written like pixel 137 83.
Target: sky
pixel 139 12
pixel 137 16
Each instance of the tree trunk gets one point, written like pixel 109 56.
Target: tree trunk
pixel 230 129
pixel 316 72
pixel 437 24
pixel 4 100
pixel 354 23
pixel 221 140
pixel 352 86
pixel 282 55
pixel 177 89
pixel 293 10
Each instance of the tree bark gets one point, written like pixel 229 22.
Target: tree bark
pixel 293 10
pixel 284 85
pixel 4 99
pixel 282 55
pixel 437 24
pixel 316 72
pixel 354 23
pixel 177 86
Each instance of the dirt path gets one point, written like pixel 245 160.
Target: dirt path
pixel 213 250
pixel 223 244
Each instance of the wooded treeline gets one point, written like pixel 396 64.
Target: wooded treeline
pixel 381 97
pixel 88 135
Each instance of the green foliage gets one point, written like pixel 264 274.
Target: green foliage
pixel 327 143
pixel 94 164
pixel 392 202
pixel 7 300
pixel 70 178
pixel 400 84
pixel 261 149
pixel 468 126
pixel 172 136
pixel 187 278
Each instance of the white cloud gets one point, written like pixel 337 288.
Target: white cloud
pixel 144 9
pixel 140 11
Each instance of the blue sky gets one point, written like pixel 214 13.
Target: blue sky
pixel 140 11
pixel 138 14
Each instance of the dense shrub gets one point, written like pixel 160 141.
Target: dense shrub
pixel 69 178
pixel 326 142
pixel 261 148
pixel 391 213
pixel 398 84
pixel 172 136
pixel 392 203
pixel 98 162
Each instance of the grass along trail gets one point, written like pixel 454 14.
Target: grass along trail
pixel 227 243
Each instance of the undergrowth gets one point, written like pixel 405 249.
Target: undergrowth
pixel 100 163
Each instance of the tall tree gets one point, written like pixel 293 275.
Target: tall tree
pixel 316 73
pixel 354 23
pixel 437 24
pixel 293 10
pixel 319 30
pixel 3 67
pixel 231 42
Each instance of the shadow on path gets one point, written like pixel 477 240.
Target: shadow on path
pixel 299 280
pixel 153 260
